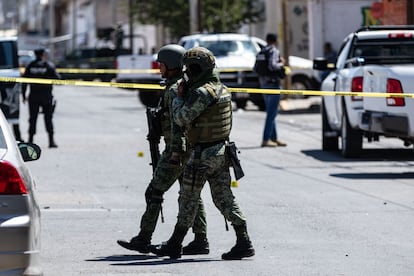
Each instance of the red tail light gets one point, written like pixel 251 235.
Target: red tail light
pixel 394 86
pixel 11 183
pixel 357 86
pixel 155 65
pixel 400 35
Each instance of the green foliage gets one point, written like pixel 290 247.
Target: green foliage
pixel 215 15
pixel 229 15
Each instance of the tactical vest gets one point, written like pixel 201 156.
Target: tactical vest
pixel 214 123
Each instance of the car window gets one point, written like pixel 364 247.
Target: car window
pixel 2 140
pixel 380 51
pixel 229 47
pixel 8 54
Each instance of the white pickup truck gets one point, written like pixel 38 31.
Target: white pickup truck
pixel 142 69
pixel 372 59
pixel 235 56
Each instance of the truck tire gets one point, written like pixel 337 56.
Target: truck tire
pixel 241 103
pixel 300 82
pixel 258 100
pixel 149 98
pixel 351 139
pixel 329 137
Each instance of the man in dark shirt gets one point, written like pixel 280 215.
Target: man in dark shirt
pixel 40 94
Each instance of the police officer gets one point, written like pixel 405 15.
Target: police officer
pixel 40 94
pixel 170 165
pixel 204 109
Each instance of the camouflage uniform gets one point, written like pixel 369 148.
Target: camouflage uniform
pixel 205 112
pixel 207 162
pixel 169 168
pixel 167 173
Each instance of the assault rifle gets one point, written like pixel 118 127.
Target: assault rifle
pixel 154 134
pixel 232 151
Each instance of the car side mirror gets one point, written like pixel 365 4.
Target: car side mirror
pixel 29 151
pixel 320 64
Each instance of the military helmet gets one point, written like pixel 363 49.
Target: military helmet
pixel 200 56
pixel 171 55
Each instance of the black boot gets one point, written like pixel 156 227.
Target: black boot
pixel 52 143
pixel 172 247
pixel 198 246
pixel 16 130
pixel 140 243
pixel 243 247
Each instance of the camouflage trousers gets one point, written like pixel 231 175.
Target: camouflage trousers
pixel 215 170
pixel 164 177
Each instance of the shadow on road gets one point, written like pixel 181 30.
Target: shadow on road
pixel 381 175
pixel 130 260
pixel 366 155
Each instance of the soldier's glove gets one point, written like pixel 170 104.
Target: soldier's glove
pixel 182 89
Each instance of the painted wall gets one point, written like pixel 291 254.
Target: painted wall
pixel 332 20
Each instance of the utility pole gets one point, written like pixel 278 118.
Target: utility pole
pixel 52 28
pixel 194 16
pixel 74 24
pixel 131 26
pixel 286 41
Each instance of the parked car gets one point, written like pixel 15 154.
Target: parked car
pixel 235 57
pixel 19 211
pixel 371 59
pixel 90 58
pixel 25 57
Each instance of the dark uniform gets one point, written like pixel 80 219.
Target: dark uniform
pixel 205 112
pixel 40 94
pixel 170 166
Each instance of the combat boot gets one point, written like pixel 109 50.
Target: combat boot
pixel 52 143
pixel 172 247
pixel 140 243
pixel 198 246
pixel 243 247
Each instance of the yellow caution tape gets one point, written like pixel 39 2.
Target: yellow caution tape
pixel 82 83
pixel 231 89
pixel 146 71
pixel 106 71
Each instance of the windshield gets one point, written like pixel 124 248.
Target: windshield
pixel 8 55
pixel 230 47
pixel 389 51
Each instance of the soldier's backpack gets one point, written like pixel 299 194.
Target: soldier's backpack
pixel 261 66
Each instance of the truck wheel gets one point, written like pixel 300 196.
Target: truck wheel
pixel 351 139
pixel 329 137
pixel 149 98
pixel 258 100
pixel 241 103
pixel 300 83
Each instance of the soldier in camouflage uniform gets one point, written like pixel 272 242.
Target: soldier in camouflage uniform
pixel 204 108
pixel 170 164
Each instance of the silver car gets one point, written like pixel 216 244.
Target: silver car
pixel 19 212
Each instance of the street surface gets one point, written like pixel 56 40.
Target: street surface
pixel 308 212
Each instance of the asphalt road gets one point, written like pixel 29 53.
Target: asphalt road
pixel 309 212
